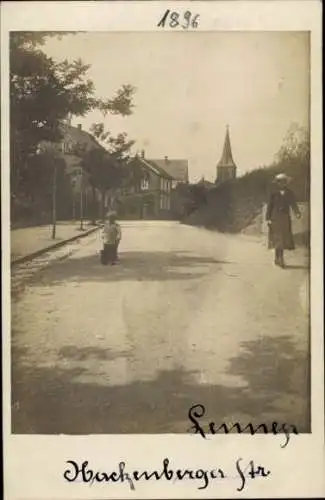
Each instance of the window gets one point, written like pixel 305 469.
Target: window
pixel 161 201
pixel 145 184
pixel 165 185
pixel 164 202
pixel 67 147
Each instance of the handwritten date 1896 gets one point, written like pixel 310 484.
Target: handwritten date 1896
pixel 175 20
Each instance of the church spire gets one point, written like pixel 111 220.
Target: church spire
pixel 226 168
pixel 226 158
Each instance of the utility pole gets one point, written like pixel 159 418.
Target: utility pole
pixel 73 187
pixel 73 206
pixel 86 203
pixel 81 201
pixel 54 199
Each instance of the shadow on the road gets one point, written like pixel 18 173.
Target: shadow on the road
pixel 272 367
pixel 85 353
pixel 138 266
pixel 53 400
pixel 289 266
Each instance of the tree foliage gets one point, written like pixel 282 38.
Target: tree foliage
pixel 234 205
pixel 119 147
pixel 104 173
pixel 42 94
pixel 293 158
pixel 107 166
pixel 121 104
pixel 191 197
pixel 295 147
pixel 112 168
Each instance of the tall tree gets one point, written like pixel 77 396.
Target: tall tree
pixel 42 94
pixel 296 145
pixel 119 148
pixel 294 159
pixel 107 168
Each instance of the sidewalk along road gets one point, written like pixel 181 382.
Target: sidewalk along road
pixel 31 240
pixel 187 317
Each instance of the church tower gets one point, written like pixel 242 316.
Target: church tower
pixel 226 168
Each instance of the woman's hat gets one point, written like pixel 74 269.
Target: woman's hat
pixel 111 215
pixel 282 177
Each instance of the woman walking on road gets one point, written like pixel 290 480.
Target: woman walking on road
pixel 279 220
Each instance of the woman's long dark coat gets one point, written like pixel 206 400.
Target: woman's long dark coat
pixel 278 212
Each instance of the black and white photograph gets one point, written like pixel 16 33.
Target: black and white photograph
pixel 186 182
pixel 160 232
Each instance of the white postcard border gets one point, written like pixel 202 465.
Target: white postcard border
pixel 34 465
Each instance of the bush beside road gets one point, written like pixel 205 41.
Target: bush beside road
pixel 299 226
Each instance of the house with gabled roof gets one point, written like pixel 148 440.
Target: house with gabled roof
pixel 206 184
pixel 76 139
pixel 149 194
pixel 153 195
pixel 176 168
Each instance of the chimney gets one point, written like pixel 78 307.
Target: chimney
pixel 79 126
pixel 143 153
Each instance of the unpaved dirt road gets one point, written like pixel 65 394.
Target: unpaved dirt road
pixel 188 316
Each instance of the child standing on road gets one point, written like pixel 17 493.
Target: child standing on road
pixel 111 237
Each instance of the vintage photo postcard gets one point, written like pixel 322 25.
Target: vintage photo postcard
pixel 162 250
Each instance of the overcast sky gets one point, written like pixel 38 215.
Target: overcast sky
pixel 191 85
